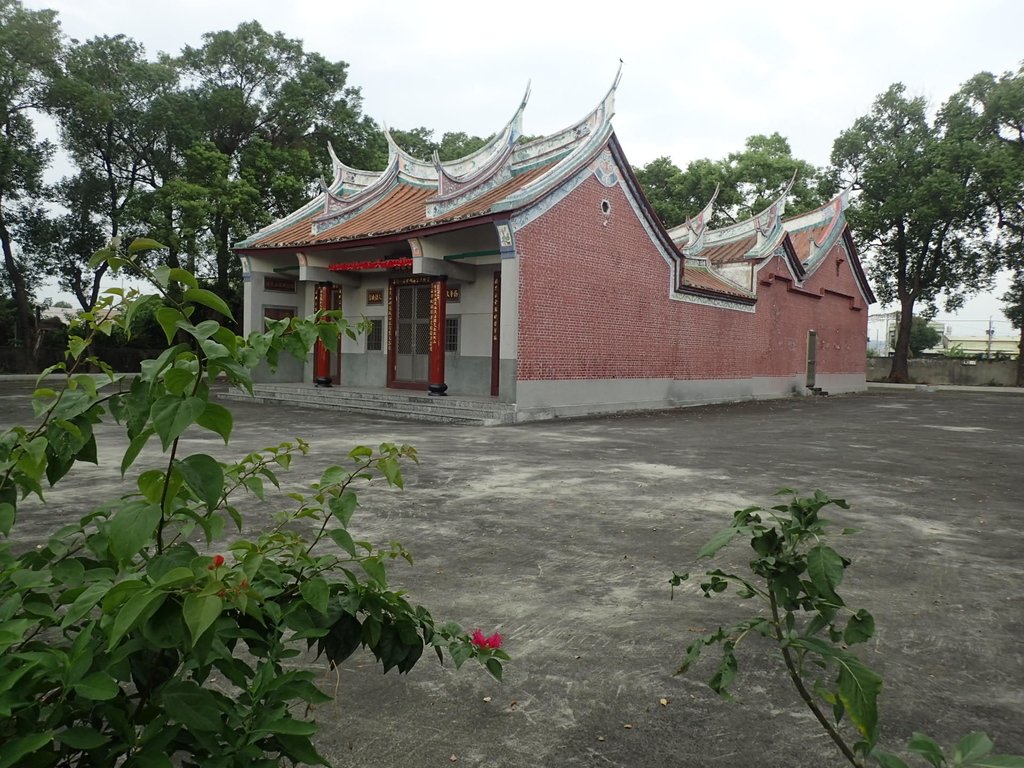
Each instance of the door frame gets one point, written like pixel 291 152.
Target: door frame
pixel 336 303
pixel 812 358
pixel 393 382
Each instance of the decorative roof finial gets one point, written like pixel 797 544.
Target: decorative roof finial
pixel 608 104
pixel 336 164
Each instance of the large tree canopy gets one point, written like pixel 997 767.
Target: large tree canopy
pixel 29 46
pixel 748 182
pixel 268 108
pixel 917 209
pixel 102 101
pixel 419 142
pixel 992 109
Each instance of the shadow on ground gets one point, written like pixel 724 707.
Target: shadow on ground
pixel 563 536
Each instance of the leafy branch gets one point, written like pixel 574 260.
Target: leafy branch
pixel 796 575
pixel 112 632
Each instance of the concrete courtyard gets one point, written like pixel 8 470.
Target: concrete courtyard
pixel 563 536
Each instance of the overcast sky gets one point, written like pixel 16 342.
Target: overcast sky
pixel 697 78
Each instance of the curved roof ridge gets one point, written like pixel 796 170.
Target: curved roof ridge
pixel 449 184
pixel 545 148
pixel 835 226
pixel 410 168
pixel 819 214
pixel 457 193
pixel 318 201
pixel 506 137
pixel 580 155
pixel 693 228
pixel 337 207
pixel 346 175
pixel 764 222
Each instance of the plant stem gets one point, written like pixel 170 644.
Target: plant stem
pixel 801 689
pixel 163 498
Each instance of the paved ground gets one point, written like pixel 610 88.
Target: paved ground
pixel 563 535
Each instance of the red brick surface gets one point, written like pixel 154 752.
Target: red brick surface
pixel 594 304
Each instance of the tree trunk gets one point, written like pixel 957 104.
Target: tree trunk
pixel 899 373
pixel 25 325
pixel 97 278
pixel 224 256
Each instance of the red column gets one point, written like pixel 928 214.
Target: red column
pixel 321 355
pixel 438 312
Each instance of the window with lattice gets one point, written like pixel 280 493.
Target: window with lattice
pixel 451 334
pixel 375 338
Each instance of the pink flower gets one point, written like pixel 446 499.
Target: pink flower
pixel 486 643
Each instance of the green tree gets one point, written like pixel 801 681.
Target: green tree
pixel 675 195
pixel 455 145
pixel 29 47
pixel 748 181
pixel 761 172
pixel 917 208
pixel 170 207
pixel 101 102
pixel 992 108
pixel 1013 308
pixel 269 108
pixel 922 336
pixel 420 143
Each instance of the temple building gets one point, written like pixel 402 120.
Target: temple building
pixel 537 274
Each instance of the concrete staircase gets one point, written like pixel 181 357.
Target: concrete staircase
pixel 390 403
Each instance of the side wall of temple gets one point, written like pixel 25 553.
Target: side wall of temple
pixel 599 331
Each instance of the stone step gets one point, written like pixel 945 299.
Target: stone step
pixel 469 408
pixel 383 404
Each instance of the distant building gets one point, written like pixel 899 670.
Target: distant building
pixel 536 272
pixel 980 346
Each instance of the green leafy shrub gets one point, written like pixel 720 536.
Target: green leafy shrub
pixel 121 642
pixel 795 578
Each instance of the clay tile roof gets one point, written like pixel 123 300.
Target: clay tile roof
pixel 402 209
pixel 728 253
pixel 483 203
pixel 801 240
pixel 697 277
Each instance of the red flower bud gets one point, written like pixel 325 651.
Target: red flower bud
pixel 218 561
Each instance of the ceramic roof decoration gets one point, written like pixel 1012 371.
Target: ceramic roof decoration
pixel 413 194
pixel 416 196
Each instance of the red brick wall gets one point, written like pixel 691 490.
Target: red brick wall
pixel 594 304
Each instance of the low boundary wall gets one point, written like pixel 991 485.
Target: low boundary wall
pixel 964 373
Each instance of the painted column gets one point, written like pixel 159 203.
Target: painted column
pixel 321 355
pixel 438 314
